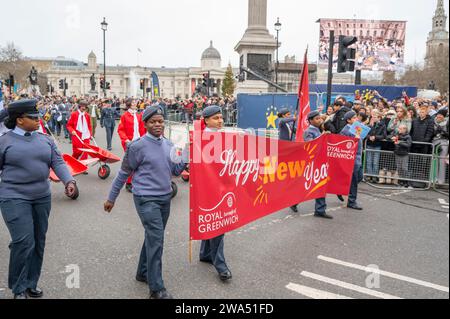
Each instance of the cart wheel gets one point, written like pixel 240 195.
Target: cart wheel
pixel 174 190
pixel 185 178
pixel 104 171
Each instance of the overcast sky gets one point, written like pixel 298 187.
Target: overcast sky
pixel 174 33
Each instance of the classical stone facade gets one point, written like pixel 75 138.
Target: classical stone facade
pixel 125 80
pixel 437 44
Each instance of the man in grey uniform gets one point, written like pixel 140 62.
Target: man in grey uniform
pixel 313 132
pixel 108 121
pixel 150 160
pixel 212 251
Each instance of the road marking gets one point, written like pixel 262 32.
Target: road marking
pixel 385 273
pixel 348 286
pixel 314 293
pixel 399 193
pixel 443 202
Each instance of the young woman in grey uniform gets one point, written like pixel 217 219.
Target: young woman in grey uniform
pixel 25 199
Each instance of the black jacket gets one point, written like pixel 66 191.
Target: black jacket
pixel 404 146
pixel 379 130
pixel 338 123
pixel 422 130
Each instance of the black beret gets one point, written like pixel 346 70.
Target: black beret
pixel 313 114
pixel 21 107
pixel 211 111
pixel 152 111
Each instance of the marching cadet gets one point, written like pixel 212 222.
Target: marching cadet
pixel 26 158
pixel 150 161
pixel 351 117
pixel 212 251
pixel 286 125
pixel 313 132
pixel 108 121
pixel 286 131
pixel 79 126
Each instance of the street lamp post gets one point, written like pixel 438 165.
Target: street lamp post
pixel 104 28
pixel 278 29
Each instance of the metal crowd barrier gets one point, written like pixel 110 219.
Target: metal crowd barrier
pixel 440 173
pixel 385 170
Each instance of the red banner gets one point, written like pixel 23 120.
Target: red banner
pixel 237 179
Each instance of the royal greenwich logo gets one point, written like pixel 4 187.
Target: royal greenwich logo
pixel 222 215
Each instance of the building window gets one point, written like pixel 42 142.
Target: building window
pixel 375 33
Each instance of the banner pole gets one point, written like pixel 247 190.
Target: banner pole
pixel 190 251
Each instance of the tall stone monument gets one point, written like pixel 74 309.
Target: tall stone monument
pixel 256 49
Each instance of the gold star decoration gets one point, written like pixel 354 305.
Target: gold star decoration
pixel 271 119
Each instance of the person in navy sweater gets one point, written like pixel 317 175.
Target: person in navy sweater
pixel 351 118
pixel 152 161
pixel 26 157
pixel 212 251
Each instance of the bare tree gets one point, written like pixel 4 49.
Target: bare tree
pixel 12 62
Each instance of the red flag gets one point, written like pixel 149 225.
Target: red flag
pixel 304 106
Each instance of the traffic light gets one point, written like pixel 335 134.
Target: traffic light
pixel 108 86
pixel 61 84
pixel 346 60
pixel 11 81
pixel 142 84
pixel 205 80
pixel 102 83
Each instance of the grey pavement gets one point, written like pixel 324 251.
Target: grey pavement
pixel 285 255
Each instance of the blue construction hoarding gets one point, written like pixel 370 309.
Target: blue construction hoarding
pixel 260 110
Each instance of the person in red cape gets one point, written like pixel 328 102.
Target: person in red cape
pixel 79 126
pixel 131 128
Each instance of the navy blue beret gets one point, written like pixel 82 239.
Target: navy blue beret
pixel 349 115
pixel 313 114
pixel 211 111
pixel 28 107
pixel 283 111
pixel 152 111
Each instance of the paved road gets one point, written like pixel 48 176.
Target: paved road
pixel 404 234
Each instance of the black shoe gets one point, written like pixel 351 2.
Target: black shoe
pixel 35 293
pixel 355 207
pixel 85 173
pixel 141 278
pixel 161 295
pixel 294 209
pixel 225 276
pixel 326 216
pixel 341 198
pixel 21 296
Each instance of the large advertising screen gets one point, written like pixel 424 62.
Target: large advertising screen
pixel 380 46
